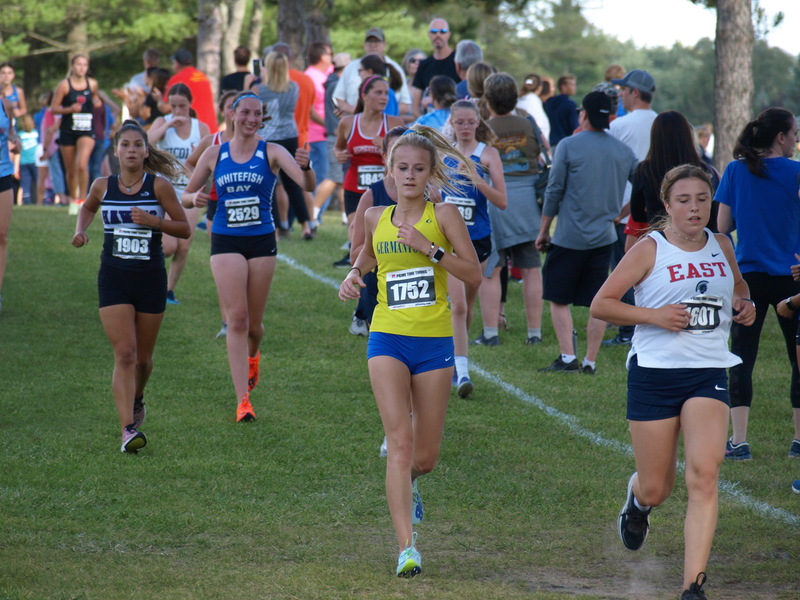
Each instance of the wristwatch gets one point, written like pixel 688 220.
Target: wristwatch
pixel 789 304
pixel 308 166
pixel 437 255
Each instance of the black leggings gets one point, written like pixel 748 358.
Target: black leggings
pixel 766 291
pixel 297 200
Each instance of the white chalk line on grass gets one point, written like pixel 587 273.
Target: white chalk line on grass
pixel 731 489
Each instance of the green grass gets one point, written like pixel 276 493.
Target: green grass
pixel 292 506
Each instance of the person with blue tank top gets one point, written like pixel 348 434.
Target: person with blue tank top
pixel 178 133
pixel 688 291
pixel 132 282
pixel 243 244
pixel 473 138
pixel 757 197
pixel 10 91
pixel 9 141
pixel 414 244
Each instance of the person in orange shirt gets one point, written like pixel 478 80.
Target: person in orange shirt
pixel 203 98
pixel 304 112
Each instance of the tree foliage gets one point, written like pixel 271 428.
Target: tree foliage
pixel 549 37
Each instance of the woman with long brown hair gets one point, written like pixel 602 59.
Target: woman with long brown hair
pixel 132 282
pixel 74 99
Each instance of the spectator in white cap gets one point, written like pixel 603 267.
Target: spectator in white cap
pixel 636 91
pixel 346 92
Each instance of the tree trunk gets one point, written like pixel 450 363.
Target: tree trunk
pixel 234 20
pixel 733 96
pixel 318 14
pixel 209 41
pixel 255 29
pixel 292 28
pixel 78 36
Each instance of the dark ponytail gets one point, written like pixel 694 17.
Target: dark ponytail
pixel 758 136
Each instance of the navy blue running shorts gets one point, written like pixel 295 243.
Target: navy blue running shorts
pixel 6 183
pixel 249 246
pixel 656 394
pixel 419 354
pixel 483 248
pixel 211 209
pixel 145 290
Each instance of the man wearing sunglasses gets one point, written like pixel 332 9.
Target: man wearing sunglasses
pixel 441 62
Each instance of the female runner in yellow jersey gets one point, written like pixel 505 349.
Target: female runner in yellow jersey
pixel 414 244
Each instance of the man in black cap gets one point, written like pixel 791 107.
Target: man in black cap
pixel 346 91
pixel 585 190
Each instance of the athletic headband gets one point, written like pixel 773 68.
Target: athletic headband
pixel 368 80
pixel 242 97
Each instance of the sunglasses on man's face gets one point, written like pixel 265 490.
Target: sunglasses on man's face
pixel 435 31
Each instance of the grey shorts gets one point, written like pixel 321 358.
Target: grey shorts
pixel 522 256
pixel 335 168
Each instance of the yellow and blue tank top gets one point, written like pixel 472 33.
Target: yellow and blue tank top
pixel 412 290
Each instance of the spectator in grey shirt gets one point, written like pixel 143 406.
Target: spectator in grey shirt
pixel 585 189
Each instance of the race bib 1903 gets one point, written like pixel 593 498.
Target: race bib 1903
pixel 132 244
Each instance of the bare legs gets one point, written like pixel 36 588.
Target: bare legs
pixel 6 206
pixel 178 249
pixel 76 162
pixel 243 286
pixel 562 324
pixel 133 337
pixel 412 444
pixel 704 422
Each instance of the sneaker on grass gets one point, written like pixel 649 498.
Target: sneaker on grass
pixel 794 449
pixel 464 389
pixel 359 327
pixel 695 591
pixel 133 440
pixel 383 451
pixel 139 411
pixel 417 510
pixel 245 412
pixel 559 366
pixel 482 340
pixel 252 371
pixel 633 524
pixel 740 451
pixel 409 563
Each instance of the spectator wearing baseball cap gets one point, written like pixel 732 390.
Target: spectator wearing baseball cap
pixel 585 188
pixel 636 91
pixel 346 91
pixel 203 98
